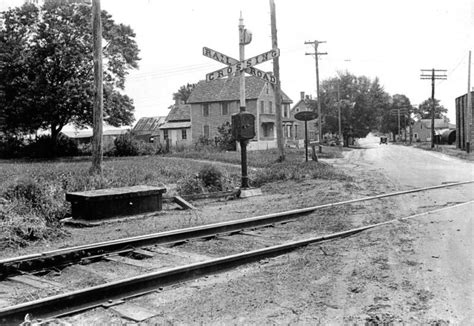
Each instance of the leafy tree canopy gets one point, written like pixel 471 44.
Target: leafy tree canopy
pixel 399 103
pixel 424 110
pixel 361 102
pixel 183 92
pixel 46 64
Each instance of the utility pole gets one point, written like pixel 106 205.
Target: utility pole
pixel 97 147
pixel 469 107
pixel 339 122
pixel 316 54
pixel 397 113
pixel 277 87
pixel 436 74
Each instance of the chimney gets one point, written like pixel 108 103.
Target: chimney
pixel 302 95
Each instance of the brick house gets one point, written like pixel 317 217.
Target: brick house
pixel 212 104
pixel 177 128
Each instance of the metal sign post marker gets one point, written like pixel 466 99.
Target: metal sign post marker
pixel 240 67
pixel 243 142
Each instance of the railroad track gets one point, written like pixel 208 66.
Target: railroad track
pixel 147 252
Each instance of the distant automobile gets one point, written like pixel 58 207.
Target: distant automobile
pixel 383 140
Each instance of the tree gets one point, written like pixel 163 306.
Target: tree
pixel 424 110
pixel 360 101
pixel 390 115
pixel 46 62
pixel 183 92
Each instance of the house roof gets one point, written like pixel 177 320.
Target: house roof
pixel 149 123
pixel 176 125
pixel 87 133
pixel 228 89
pixel 438 123
pixel 179 112
pixel 303 104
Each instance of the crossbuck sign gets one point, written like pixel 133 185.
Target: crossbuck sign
pixel 234 65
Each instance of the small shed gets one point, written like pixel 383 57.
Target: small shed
pixel 147 129
pixel 176 130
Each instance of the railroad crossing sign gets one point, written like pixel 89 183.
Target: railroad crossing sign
pixel 234 65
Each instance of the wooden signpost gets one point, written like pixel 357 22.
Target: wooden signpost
pixel 240 67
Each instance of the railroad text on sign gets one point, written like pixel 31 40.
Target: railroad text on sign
pixel 239 66
pixel 235 66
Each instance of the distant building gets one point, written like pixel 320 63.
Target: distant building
pixel 464 123
pixel 83 138
pixel 176 131
pixel 213 103
pixel 422 129
pixel 147 129
pixel 305 103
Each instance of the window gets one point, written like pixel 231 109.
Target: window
pixel 267 88
pixel 266 130
pixel 205 110
pixel 224 108
pixel 415 135
pixel 285 111
pixel 184 136
pixel 165 134
pixel 270 107
pixel 206 131
pixel 262 106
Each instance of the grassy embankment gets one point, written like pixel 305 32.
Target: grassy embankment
pixel 32 200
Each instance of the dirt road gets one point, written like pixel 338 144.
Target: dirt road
pixel 441 243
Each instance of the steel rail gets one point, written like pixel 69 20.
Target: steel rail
pixel 79 300
pixel 48 259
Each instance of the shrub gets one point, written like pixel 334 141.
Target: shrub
pixel 149 148
pixel 11 147
pixel 204 142
pixel 42 147
pixel 30 197
pixel 298 171
pixel 211 178
pixel 25 190
pixel 19 229
pixel 126 145
pixel 225 141
pixel 190 185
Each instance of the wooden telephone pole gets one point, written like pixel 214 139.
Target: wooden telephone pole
pixel 277 87
pixel 316 54
pixel 97 147
pixel 435 74
pixel 469 107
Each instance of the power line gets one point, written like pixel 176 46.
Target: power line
pixel 436 74
pixel 316 55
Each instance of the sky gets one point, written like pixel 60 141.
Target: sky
pixel 389 39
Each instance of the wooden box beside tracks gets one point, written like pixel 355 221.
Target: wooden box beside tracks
pixel 113 202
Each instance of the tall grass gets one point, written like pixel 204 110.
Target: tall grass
pixel 258 159
pixel 32 199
